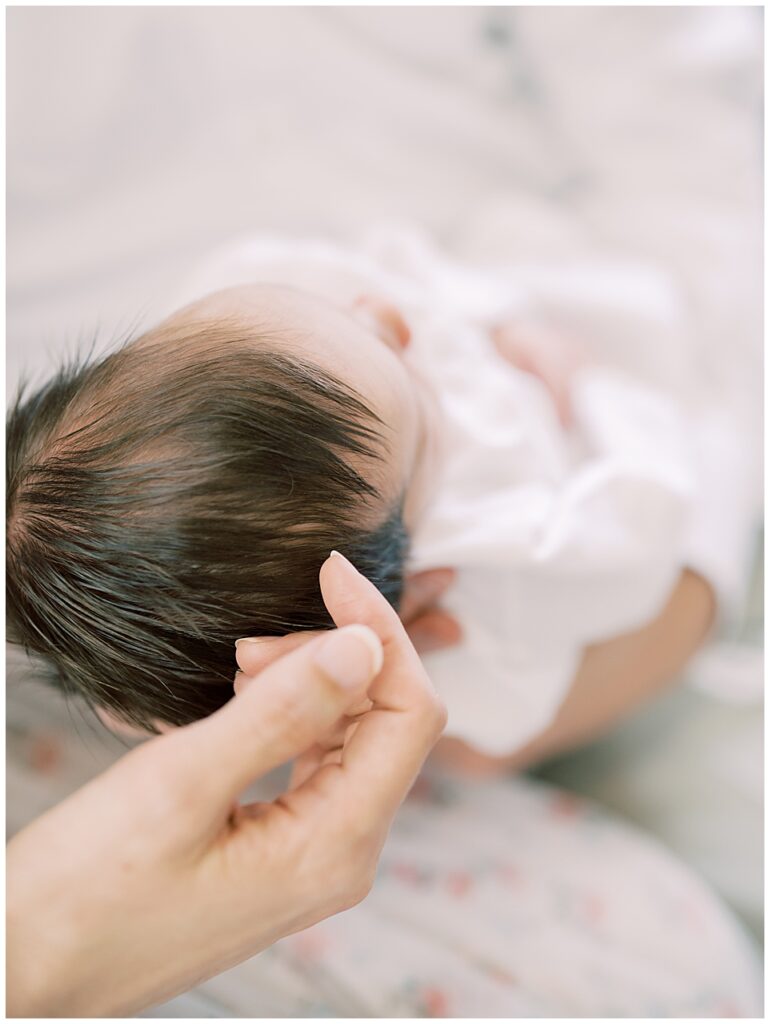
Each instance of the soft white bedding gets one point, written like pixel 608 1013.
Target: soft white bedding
pixel 138 137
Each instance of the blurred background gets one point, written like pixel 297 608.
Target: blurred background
pixel 140 138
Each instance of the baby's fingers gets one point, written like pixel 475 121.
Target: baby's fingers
pixel 434 631
pixel 422 590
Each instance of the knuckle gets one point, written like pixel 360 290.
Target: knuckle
pixel 354 832
pixel 440 715
pixel 357 888
pixel 431 709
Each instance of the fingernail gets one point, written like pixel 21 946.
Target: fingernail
pixel 253 640
pixel 338 556
pixel 351 656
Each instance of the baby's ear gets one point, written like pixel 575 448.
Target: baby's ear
pixel 385 319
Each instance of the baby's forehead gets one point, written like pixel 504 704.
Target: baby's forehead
pixel 270 309
pixel 285 321
pixel 263 314
pixel 299 324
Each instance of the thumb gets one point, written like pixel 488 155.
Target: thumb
pixel 285 710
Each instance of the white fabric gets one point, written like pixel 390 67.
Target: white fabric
pixel 559 541
pixel 510 899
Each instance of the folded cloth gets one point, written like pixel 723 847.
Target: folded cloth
pixel 560 540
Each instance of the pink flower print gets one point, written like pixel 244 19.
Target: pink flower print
pixel 409 873
pixel 433 1002
pixel 310 945
pixel 594 907
pixel 509 875
pixel 459 883
pixel 501 975
pixel 45 754
pixel 567 805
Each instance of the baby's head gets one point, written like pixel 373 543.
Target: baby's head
pixel 184 491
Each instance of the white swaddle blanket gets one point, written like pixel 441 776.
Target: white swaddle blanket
pixel 559 540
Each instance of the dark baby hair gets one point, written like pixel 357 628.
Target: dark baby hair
pixel 175 495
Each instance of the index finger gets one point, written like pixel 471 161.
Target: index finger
pixel 391 742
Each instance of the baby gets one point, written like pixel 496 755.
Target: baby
pixel 183 491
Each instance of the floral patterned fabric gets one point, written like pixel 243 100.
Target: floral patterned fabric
pixel 511 899
pixel 501 899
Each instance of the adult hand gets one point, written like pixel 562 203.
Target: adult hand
pixel 152 877
pixel 428 626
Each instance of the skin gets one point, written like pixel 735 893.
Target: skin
pixel 127 893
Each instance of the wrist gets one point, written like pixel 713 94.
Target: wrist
pixel 42 955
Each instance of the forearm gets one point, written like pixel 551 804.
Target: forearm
pixel 614 678
pixel 619 675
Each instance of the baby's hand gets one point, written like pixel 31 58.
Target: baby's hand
pixel 552 357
